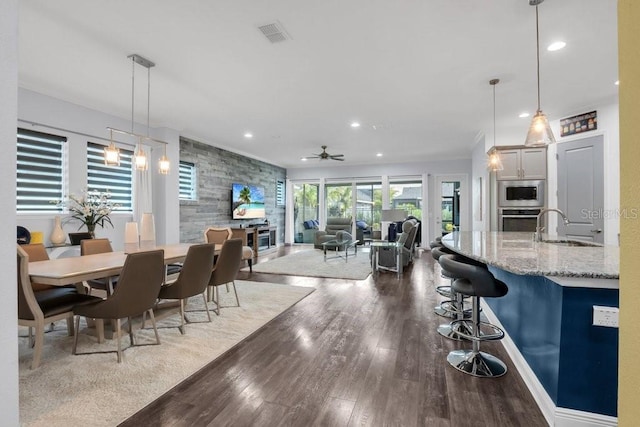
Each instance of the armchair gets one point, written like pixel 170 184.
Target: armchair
pixel 329 233
pixel 387 257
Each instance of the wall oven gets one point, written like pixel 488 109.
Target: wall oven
pixel 521 193
pixel 510 219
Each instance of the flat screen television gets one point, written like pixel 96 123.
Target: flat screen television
pixel 247 202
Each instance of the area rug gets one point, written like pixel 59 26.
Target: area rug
pixel 95 390
pixel 311 263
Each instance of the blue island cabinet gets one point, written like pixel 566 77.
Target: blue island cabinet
pixel 552 327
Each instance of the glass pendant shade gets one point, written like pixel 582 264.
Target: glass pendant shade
pixel 164 165
pixel 111 155
pixel 539 132
pixel 495 162
pixel 141 161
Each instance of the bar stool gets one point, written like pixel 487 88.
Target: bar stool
pixel 476 282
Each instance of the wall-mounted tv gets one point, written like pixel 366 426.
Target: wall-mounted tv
pixel 247 202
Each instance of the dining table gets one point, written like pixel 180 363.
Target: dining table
pixel 73 270
pixel 67 271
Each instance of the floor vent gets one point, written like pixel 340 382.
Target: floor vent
pixel 275 32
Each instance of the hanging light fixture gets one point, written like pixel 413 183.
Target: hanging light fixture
pixel 111 153
pixel 495 162
pixel 539 131
pixel 140 157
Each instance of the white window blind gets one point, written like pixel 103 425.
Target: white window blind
pixel 117 180
pixel 40 169
pixel 188 184
pixel 280 193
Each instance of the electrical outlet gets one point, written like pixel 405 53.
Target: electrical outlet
pixel 605 316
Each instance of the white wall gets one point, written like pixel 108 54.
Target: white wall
pixel 35 107
pixel 8 309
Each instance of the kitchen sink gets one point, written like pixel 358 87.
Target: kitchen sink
pixel 574 243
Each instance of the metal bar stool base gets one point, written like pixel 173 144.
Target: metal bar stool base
pixel 444 313
pixel 448 330
pixel 478 364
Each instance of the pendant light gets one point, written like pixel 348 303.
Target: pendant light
pixel 140 158
pixel 539 131
pixel 495 162
pixel 164 165
pixel 111 153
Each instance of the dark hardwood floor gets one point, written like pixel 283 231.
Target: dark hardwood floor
pixel 351 353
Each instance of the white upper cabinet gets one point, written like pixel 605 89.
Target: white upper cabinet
pixel 523 163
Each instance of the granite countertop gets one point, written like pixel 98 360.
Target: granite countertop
pixel 517 253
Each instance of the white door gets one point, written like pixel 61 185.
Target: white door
pixel 450 208
pixel 581 188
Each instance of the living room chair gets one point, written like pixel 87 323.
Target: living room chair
pixel 226 270
pixel 387 256
pixel 36 309
pixel 139 286
pixel 329 233
pixel 193 279
pixel 98 246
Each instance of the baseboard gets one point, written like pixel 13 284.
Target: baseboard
pixel 555 416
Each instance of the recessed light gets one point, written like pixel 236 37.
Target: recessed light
pixel 304 159
pixel 379 155
pixel 556 46
pixel 523 115
pixel 355 124
pixel 617 82
pixel 248 135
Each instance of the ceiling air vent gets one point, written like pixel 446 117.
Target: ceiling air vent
pixel 275 32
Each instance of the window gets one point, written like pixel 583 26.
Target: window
pixel 339 200
pixel 188 182
pixel 280 199
pixel 39 171
pixel 407 196
pixel 116 180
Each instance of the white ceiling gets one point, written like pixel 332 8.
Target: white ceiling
pixel 417 70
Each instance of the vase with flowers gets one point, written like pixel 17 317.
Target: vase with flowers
pixel 92 208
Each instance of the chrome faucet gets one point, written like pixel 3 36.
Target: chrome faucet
pixel 538 234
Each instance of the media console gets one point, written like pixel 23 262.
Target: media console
pixel 259 238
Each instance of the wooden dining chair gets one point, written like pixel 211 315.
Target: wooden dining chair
pixel 98 246
pixel 139 285
pixel 192 280
pixel 36 309
pixel 226 270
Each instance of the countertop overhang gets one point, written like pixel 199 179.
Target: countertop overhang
pixel 518 253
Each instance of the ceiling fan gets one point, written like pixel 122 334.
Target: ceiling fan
pixel 325 156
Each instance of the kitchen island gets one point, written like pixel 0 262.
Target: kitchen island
pixel 570 365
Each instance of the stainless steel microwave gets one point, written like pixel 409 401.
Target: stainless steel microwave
pixel 521 193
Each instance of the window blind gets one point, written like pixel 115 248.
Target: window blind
pixel 117 180
pixel 40 169
pixel 187 177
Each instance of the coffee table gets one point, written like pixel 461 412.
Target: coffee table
pixel 339 246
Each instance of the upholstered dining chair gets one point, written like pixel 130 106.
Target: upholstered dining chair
pixel 225 270
pixel 193 279
pixel 98 246
pixel 220 235
pixel 36 309
pixel 139 285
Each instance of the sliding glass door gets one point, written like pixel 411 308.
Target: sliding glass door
pixel 368 207
pixel 305 211
pixel 339 199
